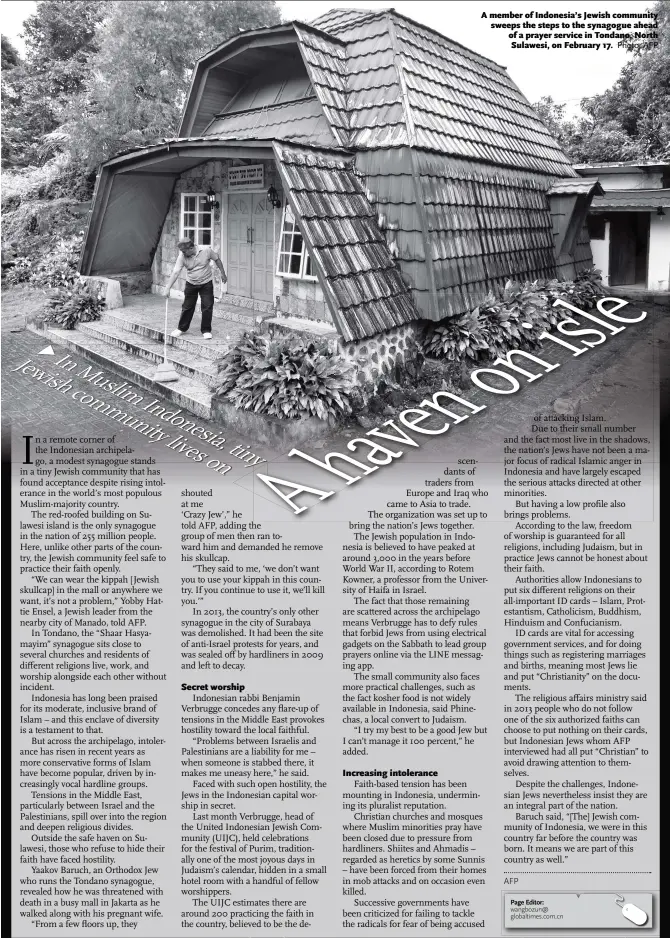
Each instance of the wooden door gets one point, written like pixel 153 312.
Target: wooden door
pixel 263 247
pixel 623 248
pixel 239 244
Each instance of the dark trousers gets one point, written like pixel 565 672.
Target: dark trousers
pixel 191 292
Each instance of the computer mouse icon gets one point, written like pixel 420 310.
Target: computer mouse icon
pixel 634 914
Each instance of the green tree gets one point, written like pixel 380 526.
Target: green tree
pixel 10 57
pixel 59 37
pixel 552 115
pixel 629 121
pixel 9 97
pixel 141 73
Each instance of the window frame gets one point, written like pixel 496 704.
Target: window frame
pixel 183 228
pixel 304 253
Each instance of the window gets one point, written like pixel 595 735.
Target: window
pixel 277 85
pixel 294 260
pixel 596 226
pixel 294 89
pixel 196 219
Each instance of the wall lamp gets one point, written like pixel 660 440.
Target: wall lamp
pixel 211 199
pixel 660 210
pixel 273 197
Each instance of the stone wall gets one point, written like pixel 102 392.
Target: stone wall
pixel 387 355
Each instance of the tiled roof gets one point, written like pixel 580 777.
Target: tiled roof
pixel 575 186
pixel 389 179
pixel 484 225
pixel 342 18
pixel 406 84
pixel 449 156
pixel 631 198
pixel 325 63
pixel 303 121
pixel 362 283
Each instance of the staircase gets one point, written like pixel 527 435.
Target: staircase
pixel 128 341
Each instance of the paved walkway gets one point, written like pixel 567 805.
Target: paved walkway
pixel 149 309
pixel 611 379
pixel 617 380
pixel 31 407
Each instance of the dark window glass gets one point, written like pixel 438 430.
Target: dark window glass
pixel 596 227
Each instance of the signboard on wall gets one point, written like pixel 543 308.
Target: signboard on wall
pixel 246 177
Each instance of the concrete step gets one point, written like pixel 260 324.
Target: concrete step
pixel 189 393
pixel 150 326
pixel 189 362
pixel 242 303
pixel 248 316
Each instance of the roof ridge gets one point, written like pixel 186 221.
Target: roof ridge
pixel 402 82
pixel 356 15
pixel 305 24
pixel 387 11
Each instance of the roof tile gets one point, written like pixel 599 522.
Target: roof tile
pixel 362 282
pixel 460 102
pixel 632 199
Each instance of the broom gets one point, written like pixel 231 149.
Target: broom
pixel 165 371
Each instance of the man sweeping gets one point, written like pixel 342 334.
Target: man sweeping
pixel 197 262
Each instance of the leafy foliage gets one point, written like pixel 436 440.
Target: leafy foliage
pixel 73 304
pixel 140 74
pixel 458 337
pixel 10 56
pixel 286 377
pixel 629 121
pixel 59 266
pixel 101 76
pixel 240 359
pixel 20 271
pixel 515 320
pixel 55 268
pixel 43 240
pixel 60 38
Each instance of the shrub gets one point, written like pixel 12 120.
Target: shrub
pixel 240 360
pixel 457 337
pixel 55 179
pixel 42 221
pixel 514 320
pixel 588 288
pixel 59 267
pixel 74 304
pixel 19 272
pixel 286 377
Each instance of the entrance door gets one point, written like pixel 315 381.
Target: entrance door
pixel 629 245
pixel 239 244
pixel 251 246
pixel 262 248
